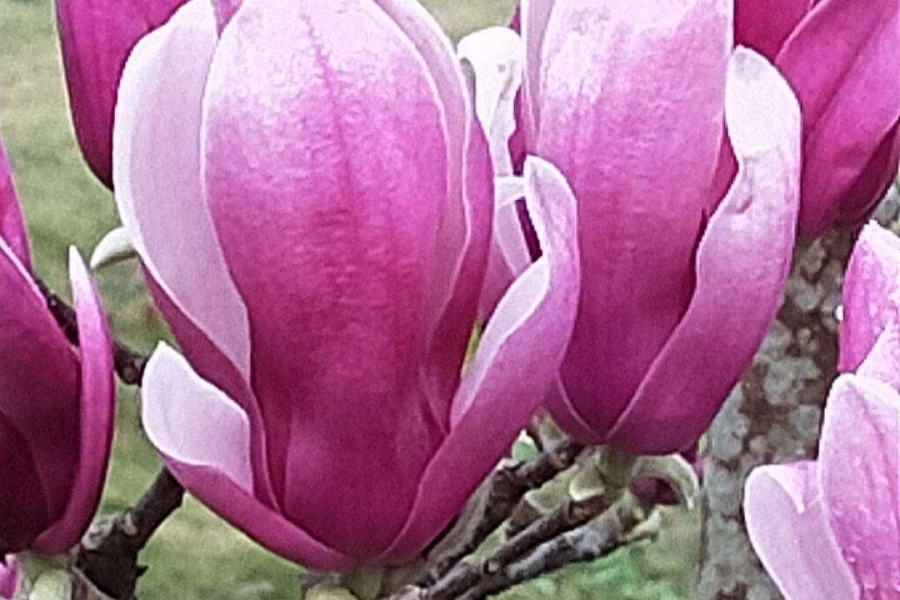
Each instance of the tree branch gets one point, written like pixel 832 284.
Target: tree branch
pixel 128 362
pixel 108 553
pixel 494 502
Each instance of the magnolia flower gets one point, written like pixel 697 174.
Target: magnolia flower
pixel 830 528
pixel 56 404
pixel 841 59
pixel 311 200
pixel 9 576
pixel 679 285
pixel 96 37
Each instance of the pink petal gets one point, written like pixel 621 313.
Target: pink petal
pixel 205 439
pixel 158 183
pixel 39 375
pixel 870 293
pixel 624 86
pixel 742 264
pixel 96 38
pixel 9 576
pixel 96 418
pixel 788 527
pixel 764 25
pixel 517 360
pixel 466 216
pixel 12 224
pixel 842 62
pixel 23 507
pixel 873 182
pixel 534 16
pixel 859 456
pixel 883 361
pixel 327 182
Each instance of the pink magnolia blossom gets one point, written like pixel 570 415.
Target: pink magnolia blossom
pixel 312 202
pixel 679 285
pixel 96 37
pixel 841 59
pixel 56 403
pixel 830 528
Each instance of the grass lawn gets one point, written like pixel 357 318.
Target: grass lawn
pixel 195 556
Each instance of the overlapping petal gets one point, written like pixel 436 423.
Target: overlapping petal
pixel 12 225
pixel 518 357
pixel 870 295
pixel 621 86
pixel 842 63
pixel 205 439
pixel 742 263
pixel 96 38
pixel 96 416
pixel 787 521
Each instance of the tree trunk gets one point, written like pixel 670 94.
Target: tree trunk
pixel 774 414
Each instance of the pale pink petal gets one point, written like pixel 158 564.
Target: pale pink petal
pixel 742 264
pixel 96 38
pixel 96 418
pixel 516 362
pixel 859 457
pixel 631 101
pixel 158 180
pixel 205 439
pixel 326 173
pixel 764 25
pixel 788 527
pixel 532 23
pixel 871 285
pixel 12 224
pixel 39 375
pixel 842 62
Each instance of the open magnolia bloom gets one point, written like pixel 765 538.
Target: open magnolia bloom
pixel 830 528
pixel 679 285
pixel 311 198
pixel 96 37
pixel 56 404
pixel 841 59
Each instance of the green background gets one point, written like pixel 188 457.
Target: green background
pixel 194 556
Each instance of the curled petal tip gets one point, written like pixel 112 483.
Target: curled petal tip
pixel 115 247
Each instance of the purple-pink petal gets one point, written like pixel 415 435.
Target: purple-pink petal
pixel 742 264
pixel 764 25
pixel 204 437
pixel 842 63
pixel 326 182
pixel 622 86
pixel 12 224
pixel 787 521
pixel 96 38
pixel 39 371
pixel 517 358
pixel 859 458
pixel 96 416
pixel 870 296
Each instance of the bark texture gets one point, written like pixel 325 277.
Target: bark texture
pixel 774 414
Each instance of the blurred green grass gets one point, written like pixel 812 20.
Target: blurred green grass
pixel 195 556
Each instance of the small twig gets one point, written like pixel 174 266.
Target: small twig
pixel 596 539
pixel 109 552
pixel 129 363
pixel 564 518
pixel 495 501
